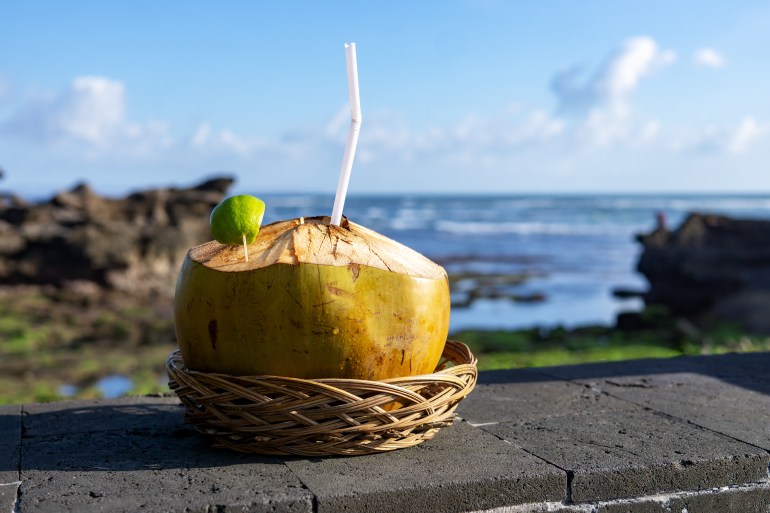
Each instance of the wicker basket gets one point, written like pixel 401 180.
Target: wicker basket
pixel 321 417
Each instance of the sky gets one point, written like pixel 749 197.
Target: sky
pixel 457 96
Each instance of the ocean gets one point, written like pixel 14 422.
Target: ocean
pixel 567 252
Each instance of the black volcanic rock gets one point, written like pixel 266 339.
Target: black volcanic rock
pixel 133 244
pixel 711 265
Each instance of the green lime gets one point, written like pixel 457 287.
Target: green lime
pixel 236 218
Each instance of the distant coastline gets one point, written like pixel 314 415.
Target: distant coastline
pixel 570 250
pixel 42 193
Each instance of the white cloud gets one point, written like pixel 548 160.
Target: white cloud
pixel 614 82
pixel 734 140
pixel 622 73
pixel 91 110
pixel 503 132
pixel 388 138
pixel 709 58
pixel 201 135
pixel 337 127
pixel 208 140
pixel 89 113
pixel 146 138
pixel 489 141
pixel 239 145
pixel 650 131
pixel 744 135
pixel 603 99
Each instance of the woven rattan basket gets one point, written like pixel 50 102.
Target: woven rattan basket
pixel 322 417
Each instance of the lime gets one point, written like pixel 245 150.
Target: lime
pixel 237 219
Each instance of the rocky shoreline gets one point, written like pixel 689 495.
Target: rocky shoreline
pixel 87 284
pixel 80 239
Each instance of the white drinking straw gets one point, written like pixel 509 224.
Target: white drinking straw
pixel 355 128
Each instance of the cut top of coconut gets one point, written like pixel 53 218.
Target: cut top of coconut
pixel 312 240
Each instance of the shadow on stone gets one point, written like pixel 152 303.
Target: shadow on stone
pixel 746 370
pixel 85 436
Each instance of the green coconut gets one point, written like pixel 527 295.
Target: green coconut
pixel 314 301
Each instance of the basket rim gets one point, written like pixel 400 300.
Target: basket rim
pixel 443 372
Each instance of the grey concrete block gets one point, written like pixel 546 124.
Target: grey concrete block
pixel 748 370
pixel 730 409
pixel 46 419
pixel 542 507
pixel 751 499
pixel 10 423
pixel 733 367
pixel 8 493
pixel 524 375
pixel 461 469
pixel 630 454
pixel 744 499
pixel 9 463
pixel 151 471
pixel 637 506
pixel 10 440
pixel 628 368
pixel 519 400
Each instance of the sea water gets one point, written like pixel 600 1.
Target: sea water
pixel 575 249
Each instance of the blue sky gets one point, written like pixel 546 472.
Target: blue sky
pixel 457 96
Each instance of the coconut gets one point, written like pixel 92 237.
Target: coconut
pixel 314 301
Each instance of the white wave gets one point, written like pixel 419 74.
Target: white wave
pixel 719 203
pixel 722 205
pixel 526 203
pixel 402 224
pixel 533 228
pixel 703 203
pixel 376 213
pixel 416 213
